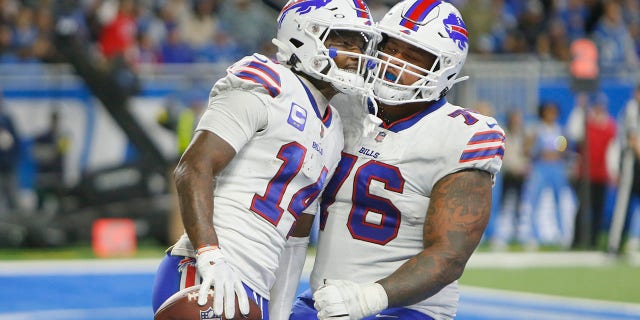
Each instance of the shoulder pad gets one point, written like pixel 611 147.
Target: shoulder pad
pixel 256 71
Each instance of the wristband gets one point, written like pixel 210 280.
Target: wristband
pixel 206 247
pixel 374 297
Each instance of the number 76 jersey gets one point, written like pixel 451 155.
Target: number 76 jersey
pixel 374 208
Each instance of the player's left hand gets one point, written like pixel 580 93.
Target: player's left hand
pixel 347 300
pixel 216 272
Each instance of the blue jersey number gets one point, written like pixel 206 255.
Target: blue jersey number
pixel 469 119
pixel 268 205
pixel 372 218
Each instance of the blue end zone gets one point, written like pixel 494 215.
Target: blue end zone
pixel 128 296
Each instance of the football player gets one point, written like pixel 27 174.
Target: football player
pixel 263 151
pixel 411 197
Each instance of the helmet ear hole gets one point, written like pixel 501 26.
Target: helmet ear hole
pixel 296 43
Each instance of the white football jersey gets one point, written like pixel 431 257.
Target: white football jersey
pixel 373 210
pixel 277 174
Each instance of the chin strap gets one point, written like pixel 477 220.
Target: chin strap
pixel 371 121
pixel 459 80
pixel 284 52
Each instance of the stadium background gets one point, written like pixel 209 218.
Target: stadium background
pixel 123 101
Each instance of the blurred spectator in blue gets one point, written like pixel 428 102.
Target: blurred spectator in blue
pixel 9 157
pixel 616 50
pixel 147 49
pixel 153 21
pixel 599 129
pixel 252 21
pixel 221 48
pixel 175 50
pixel 573 15
pixel 632 18
pixel 23 43
pixel 515 168
pixel 48 151
pixel 24 30
pixel 548 173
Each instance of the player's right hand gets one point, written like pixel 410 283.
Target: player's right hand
pixel 217 273
pixel 347 300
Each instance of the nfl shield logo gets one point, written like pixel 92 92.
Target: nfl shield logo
pixel 380 136
pixel 321 131
pixel 208 315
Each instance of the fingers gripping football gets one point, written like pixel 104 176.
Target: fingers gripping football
pixel 217 273
pixel 347 300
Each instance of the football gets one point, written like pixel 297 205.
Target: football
pixel 183 305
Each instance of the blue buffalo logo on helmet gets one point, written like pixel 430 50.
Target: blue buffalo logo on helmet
pixel 302 7
pixel 457 30
pixel 414 17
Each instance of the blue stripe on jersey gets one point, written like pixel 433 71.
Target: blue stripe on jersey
pixel 265 68
pixel 248 75
pixel 328 115
pixel 416 13
pixel 484 153
pixel 407 122
pixel 486 136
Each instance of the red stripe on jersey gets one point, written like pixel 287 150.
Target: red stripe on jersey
pixel 190 277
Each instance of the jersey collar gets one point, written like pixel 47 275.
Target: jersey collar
pixel 318 101
pixel 409 121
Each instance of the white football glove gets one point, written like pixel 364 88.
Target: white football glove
pixel 347 300
pixel 217 273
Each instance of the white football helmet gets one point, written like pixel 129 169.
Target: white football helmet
pixel 303 27
pixel 433 26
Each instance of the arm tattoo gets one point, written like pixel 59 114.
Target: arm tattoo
pixel 456 218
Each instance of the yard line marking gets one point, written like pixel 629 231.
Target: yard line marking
pixel 73 267
pixel 98 313
pixel 509 260
pixel 533 300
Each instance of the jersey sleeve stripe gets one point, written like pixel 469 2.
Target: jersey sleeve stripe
pixel 274 76
pixel 247 75
pixel 483 153
pixel 486 136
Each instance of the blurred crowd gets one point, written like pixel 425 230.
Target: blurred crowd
pixel 185 31
pixel 146 31
pixel 561 183
pixel 545 161
pixel 548 27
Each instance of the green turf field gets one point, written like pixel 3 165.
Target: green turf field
pixel 143 250
pixel 620 282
